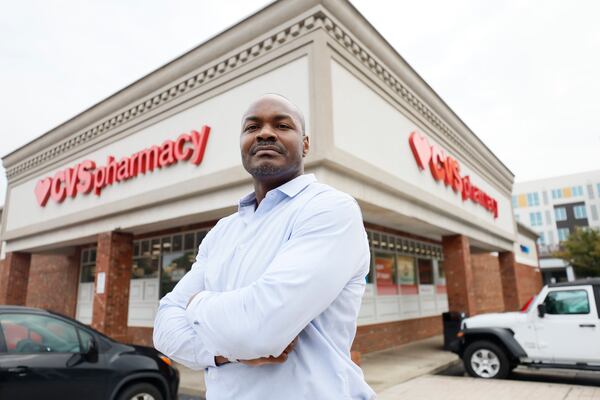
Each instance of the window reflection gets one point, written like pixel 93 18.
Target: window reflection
pixel 174 266
pixel 385 274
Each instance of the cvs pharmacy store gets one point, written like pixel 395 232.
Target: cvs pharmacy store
pixel 104 213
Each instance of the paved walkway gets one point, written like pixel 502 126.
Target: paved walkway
pixel 463 388
pixel 382 370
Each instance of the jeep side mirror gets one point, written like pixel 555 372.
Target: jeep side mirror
pixel 541 310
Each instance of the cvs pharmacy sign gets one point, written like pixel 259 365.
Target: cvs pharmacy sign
pixel 86 176
pixel 446 169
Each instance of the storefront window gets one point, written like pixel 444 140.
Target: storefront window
pixel 88 265
pixel 177 243
pixel 165 258
pixel 145 248
pixel 385 274
pixel 145 267
pixel 174 266
pixel 425 271
pixel 440 281
pixel 407 278
pixel 188 241
pixel 200 237
pixel 155 247
pixel 441 273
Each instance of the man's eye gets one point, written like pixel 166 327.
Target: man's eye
pixel 250 128
pixel 284 126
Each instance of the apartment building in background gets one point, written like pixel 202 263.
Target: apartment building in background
pixel 554 208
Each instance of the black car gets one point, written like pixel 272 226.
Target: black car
pixel 46 355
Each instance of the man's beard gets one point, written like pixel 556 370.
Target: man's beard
pixel 269 170
pixel 265 170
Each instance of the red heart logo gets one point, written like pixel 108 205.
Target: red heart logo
pixel 42 191
pixel 420 148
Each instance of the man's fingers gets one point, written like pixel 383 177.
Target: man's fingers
pixel 279 360
pixel 266 360
pixel 291 346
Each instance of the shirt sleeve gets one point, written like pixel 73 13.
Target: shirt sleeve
pixel 327 248
pixel 173 335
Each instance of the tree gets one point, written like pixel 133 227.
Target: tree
pixel 582 251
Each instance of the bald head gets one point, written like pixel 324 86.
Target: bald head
pixel 283 103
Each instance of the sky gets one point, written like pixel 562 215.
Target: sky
pixel 523 75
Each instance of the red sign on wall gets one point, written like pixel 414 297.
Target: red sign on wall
pixel 447 169
pixel 86 176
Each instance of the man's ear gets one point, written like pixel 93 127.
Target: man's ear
pixel 305 145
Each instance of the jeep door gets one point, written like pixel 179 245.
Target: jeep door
pixel 569 332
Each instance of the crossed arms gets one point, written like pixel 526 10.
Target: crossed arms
pixel 327 249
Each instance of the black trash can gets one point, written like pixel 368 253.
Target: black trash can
pixel 451 320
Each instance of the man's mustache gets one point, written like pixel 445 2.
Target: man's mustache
pixel 267 146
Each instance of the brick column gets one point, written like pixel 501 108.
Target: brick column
pixel 113 259
pixel 508 273
pixel 459 274
pixel 54 280
pixel 14 277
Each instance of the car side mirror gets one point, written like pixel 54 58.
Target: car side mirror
pixel 541 310
pixel 92 351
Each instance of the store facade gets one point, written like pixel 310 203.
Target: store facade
pixel 104 213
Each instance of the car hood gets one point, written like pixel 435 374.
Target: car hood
pixel 495 320
pixel 149 351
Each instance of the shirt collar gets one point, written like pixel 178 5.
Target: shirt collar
pixel 295 186
pixel 290 189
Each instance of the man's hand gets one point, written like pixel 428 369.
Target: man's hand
pixel 272 360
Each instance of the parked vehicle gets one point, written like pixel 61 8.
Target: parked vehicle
pixel 47 355
pixel 558 328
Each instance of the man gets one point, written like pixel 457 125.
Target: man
pixel 269 307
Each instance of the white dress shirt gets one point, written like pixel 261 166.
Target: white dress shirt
pixel 294 266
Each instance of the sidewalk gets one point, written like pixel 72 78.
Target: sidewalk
pixel 382 369
pixel 464 388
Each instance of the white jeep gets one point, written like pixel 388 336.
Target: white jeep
pixel 559 328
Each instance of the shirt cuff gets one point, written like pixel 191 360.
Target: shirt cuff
pixel 191 314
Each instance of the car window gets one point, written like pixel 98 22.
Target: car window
pixel 567 302
pixel 30 333
pixel 85 340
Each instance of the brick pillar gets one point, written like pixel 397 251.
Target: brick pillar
pixel 14 276
pixel 54 280
pixel 459 274
pixel 113 259
pixel 508 273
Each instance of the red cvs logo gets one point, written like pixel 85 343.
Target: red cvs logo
pixel 86 177
pixel 446 169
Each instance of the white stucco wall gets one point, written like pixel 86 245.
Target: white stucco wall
pixel 522 257
pixel 370 128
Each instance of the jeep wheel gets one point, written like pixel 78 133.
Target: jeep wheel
pixel 485 359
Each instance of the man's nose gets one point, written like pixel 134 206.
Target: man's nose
pixel 266 132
